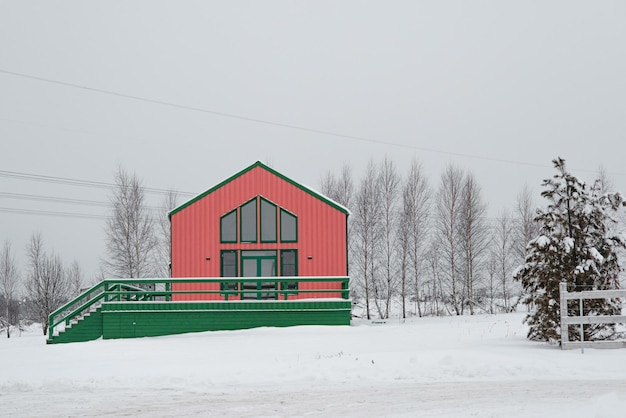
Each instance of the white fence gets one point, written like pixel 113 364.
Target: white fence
pixel 566 320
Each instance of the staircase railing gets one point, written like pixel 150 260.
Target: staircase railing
pixel 134 290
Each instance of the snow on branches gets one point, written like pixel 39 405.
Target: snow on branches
pixel 576 245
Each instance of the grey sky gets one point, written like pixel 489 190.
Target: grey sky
pixel 504 81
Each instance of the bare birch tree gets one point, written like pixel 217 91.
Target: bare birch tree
pixel 473 237
pixel 389 185
pixel 130 238
pixel 404 250
pixel 339 188
pixel 328 184
pixel 604 181
pixel 366 231
pixel 36 258
pixel 163 247
pixel 491 268
pixel 605 185
pixel 9 280
pixel 526 228
pixel 433 258
pixel 75 278
pixel 503 258
pixel 416 206
pixel 448 212
pixel 47 286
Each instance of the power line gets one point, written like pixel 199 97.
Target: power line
pixel 68 181
pixel 53 213
pixel 267 122
pixel 64 200
pixel 282 125
pixel 78 182
pixel 40 198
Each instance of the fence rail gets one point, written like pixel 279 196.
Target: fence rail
pixel 582 320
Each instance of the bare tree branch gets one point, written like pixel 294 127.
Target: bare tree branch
pixel 163 247
pixel 130 238
pixel 47 285
pixel 389 184
pixel 9 280
pixel 367 231
pixel 448 212
pixel 473 237
pixel 413 229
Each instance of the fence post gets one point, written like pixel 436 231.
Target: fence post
pixel 563 309
pixel 50 323
pixel 582 328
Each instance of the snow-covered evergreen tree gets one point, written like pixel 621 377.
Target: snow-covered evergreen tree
pixel 575 245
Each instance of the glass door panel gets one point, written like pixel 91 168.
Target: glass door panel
pixel 249 269
pixel 258 264
pixel 268 269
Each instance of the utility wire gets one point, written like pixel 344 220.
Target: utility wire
pixel 282 125
pixel 53 213
pixel 41 198
pixel 267 122
pixel 77 182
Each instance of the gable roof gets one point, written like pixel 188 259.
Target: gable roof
pixel 306 189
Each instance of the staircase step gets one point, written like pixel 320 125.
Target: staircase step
pixel 78 330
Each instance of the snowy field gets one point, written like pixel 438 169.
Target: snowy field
pixel 478 366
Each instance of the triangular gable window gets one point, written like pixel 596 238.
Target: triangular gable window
pixel 258 218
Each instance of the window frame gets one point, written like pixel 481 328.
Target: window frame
pixel 259 256
pixel 288 288
pixel 263 200
pixel 229 286
pixel 222 227
pixel 256 220
pixel 281 226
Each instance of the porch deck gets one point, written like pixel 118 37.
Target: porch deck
pixel 129 308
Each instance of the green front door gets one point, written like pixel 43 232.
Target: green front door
pixel 258 264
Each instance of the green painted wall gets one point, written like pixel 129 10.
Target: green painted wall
pixel 129 320
pixel 147 319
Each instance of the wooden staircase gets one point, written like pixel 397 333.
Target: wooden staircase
pixel 84 327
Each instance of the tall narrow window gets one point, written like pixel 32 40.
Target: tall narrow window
pixel 288 227
pixel 289 267
pixel 268 221
pixel 248 222
pixel 228 227
pixel 229 269
pixel 289 263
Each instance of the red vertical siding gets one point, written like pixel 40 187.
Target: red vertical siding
pixel 321 228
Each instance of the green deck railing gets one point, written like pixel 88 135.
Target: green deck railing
pixel 130 290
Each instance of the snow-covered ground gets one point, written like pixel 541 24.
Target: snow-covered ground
pixel 479 366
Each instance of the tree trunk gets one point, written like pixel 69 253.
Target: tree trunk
pixel 8 320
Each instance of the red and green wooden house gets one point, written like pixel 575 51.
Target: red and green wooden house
pixel 258 249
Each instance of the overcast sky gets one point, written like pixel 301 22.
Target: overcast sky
pixel 496 88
